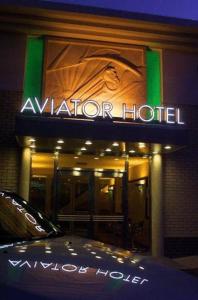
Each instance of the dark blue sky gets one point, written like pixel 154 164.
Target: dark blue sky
pixel 185 9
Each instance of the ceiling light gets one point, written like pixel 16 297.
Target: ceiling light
pixel 102 154
pixel 77 169
pixel 32 140
pixel 131 151
pixel 115 144
pixel 88 143
pixel 155 152
pixel 58 147
pixel 83 149
pixel 33 146
pixel 141 145
pixel 108 150
pixel 60 141
pixel 96 157
pixel 76 157
pixel 167 147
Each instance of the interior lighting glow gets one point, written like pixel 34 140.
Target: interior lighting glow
pixel 58 147
pixel 141 145
pixel 76 173
pixel 108 150
pixel 88 143
pixel 167 147
pixel 155 152
pixel 33 146
pixel 60 141
pixel 131 151
pixel 32 140
pixel 96 157
pixel 115 144
pixel 76 157
pixel 83 149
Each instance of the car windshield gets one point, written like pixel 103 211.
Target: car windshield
pixel 19 221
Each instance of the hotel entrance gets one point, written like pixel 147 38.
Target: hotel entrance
pixel 90 203
pixel 96 189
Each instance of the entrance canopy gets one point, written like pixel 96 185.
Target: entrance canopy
pixel 36 126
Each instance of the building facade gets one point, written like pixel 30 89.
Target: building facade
pixel 99 124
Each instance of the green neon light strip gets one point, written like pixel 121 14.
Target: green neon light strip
pixel 153 78
pixel 34 68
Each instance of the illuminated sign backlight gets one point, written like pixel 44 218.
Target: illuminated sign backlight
pixel 92 109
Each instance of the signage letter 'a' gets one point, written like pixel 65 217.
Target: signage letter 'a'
pixel 63 109
pixel 28 106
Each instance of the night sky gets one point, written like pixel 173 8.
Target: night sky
pixel 186 9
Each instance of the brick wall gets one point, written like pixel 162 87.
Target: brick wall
pixel 9 168
pixel 10 153
pixel 180 184
pixel 10 103
pixel 12 60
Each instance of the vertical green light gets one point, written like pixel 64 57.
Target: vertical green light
pixel 33 68
pixel 153 78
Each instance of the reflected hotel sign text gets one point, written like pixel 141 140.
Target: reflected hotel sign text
pixel 92 109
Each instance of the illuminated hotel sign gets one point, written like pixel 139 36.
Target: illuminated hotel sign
pixel 92 109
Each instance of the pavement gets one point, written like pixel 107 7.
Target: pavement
pixel 188 264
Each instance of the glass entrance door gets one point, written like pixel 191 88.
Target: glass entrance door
pixel 108 217
pixel 73 201
pixel 89 203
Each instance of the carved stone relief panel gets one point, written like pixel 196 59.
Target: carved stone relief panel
pixel 91 71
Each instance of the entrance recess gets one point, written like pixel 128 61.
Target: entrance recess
pixel 91 203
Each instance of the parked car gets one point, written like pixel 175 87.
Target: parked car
pixel 38 262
